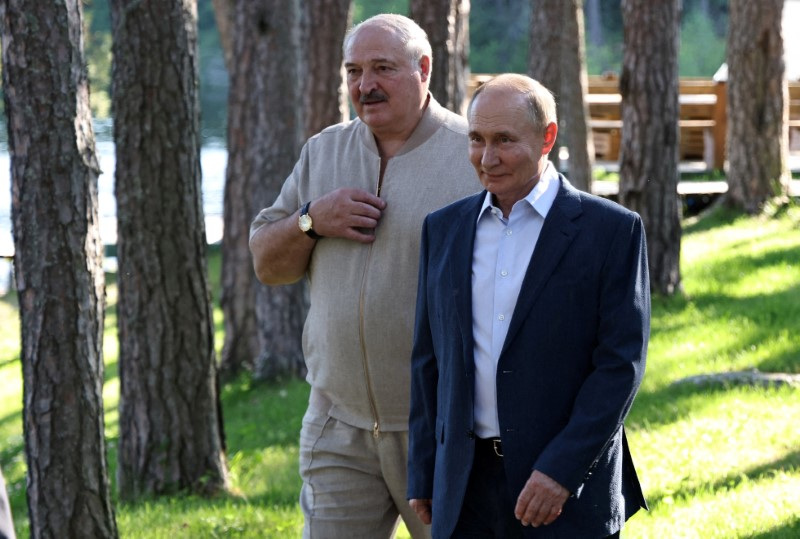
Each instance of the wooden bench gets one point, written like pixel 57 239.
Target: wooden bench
pixel 696 142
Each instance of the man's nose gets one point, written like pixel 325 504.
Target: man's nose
pixel 489 157
pixel 367 82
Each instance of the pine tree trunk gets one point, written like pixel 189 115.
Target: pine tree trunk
pixel 649 148
pixel 58 264
pixel 265 132
pixel 170 424
pixel 574 111
pixel 325 95
pixel 594 24
pixel 545 56
pixel 757 137
pixel 224 16
pixel 447 24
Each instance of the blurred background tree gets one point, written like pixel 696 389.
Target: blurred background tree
pixel 498 42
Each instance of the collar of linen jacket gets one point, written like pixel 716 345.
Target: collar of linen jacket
pixel 432 119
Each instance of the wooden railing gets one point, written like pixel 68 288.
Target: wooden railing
pixel 702 121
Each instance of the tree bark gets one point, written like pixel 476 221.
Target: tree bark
pixel 649 148
pixel 325 23
pixel 58 265
pixel 265 132
pixel 557 59
pixel 757 137
pixel 574 111
pixel 224 17
pixel 170 424
pixel 594 24
pixel 447 24
pixel 545 56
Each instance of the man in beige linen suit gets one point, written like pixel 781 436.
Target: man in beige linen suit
pixel 349 219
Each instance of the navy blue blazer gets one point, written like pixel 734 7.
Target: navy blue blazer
pixel 570 367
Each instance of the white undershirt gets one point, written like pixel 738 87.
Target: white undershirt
pixel 503 250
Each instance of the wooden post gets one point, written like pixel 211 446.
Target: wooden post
pixel 720 124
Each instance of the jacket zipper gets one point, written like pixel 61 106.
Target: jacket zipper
pixel 376 430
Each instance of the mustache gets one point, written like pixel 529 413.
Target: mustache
pixel 372 97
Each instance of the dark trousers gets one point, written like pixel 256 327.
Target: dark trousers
pixel 488 509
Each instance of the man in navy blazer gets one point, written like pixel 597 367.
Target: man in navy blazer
pixel 533 316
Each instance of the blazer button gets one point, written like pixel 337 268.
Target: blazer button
pixel 470 435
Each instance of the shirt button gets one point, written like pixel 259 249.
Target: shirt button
pixel 504 273
pixel 508 232
pixel 501 317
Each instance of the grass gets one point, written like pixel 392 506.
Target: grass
pixel 715 462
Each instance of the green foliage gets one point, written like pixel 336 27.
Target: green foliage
pixel 498 34
pixel 702 51
pixel 364 9
pixel 715 462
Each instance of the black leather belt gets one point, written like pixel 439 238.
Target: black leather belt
pixel 490 444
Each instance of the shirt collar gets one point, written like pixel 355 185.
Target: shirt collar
pixel 540 198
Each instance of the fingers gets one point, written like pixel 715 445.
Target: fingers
pixel 347 213
pixel 540 501
pixel 423 510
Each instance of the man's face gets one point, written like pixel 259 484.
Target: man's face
pixel 507 152
pixel 386 88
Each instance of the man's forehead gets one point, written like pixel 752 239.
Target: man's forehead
pixel 374 42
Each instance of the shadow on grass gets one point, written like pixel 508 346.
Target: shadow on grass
pixel 261 415
pixel 110 371
pixel 8 362
pixel 790 530
pixel 716 217
pixel 789 462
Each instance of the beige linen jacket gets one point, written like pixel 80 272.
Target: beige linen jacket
pixel 358 334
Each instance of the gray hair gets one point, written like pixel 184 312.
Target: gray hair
pixel 413 37
pixel 541 103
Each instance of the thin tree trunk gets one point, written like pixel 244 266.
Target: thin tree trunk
pixel 224 17
pixel 757 137
pixel 325 96
pixel 58 265
pixel 447 24
pixel 170 425
pixel 265 132
pixel 649 149
pixel 574 111
pixel 594 24
pixel 545 56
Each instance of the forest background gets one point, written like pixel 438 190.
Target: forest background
pixel 499 40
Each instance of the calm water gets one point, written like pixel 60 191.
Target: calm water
pixel 213 159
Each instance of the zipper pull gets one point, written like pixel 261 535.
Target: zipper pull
pixel 376 432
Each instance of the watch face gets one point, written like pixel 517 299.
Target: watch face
pixel 305 223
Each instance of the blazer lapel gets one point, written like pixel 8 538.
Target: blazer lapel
pixel 557 233
pixel 463 241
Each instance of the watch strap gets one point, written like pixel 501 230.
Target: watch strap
pixel 310 232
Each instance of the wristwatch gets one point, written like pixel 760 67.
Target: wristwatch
pixel 305 223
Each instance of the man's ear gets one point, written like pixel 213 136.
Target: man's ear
pixel 550 134
pixel 425 68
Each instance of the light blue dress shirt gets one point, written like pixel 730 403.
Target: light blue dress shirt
pixel 502 252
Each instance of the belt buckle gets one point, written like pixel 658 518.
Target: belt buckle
pixel 497 446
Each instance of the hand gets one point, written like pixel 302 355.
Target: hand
pixel 347 213
pixel 540 501
pixel 423 509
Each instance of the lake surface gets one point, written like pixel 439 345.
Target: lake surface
pixel 213 160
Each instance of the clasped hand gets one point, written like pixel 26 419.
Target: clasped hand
pixel 347 213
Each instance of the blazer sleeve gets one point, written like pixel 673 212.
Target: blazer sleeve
pixel 618 361
pixel 424 381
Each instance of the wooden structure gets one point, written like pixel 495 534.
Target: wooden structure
pixel 703 119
